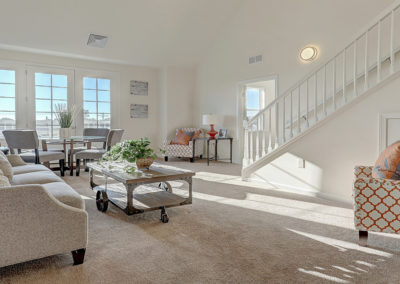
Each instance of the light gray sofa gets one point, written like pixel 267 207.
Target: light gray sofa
pixel 40 216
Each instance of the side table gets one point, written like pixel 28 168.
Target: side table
pixel 216 148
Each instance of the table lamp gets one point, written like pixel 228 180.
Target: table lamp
pixel 211 119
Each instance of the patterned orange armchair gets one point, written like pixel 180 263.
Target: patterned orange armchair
pixel 192 150
pixel 376 204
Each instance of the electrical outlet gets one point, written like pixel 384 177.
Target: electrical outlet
pixel 302 163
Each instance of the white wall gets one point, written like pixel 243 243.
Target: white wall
pixel 277 29
pixel 332 150
pixel 121 98
pixel 176 99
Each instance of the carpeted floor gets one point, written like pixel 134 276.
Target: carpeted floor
pixel 234 232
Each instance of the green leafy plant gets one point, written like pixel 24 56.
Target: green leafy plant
pixel 64 116
pixel 130 151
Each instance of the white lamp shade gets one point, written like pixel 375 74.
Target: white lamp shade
pixel 210 119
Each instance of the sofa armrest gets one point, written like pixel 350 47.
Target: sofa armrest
pixel 375 205
pixel 38 225
pixel 363 171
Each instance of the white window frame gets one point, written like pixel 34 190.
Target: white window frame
pixel 15 96
pixel 31 70
pixel 20 94
pixel 114 78
pixel 97 101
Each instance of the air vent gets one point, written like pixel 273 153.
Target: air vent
pixel 97 40
pixel 255 59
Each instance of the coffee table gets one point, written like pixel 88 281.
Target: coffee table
pixel 141 191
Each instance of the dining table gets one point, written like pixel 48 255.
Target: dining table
pixel 71 142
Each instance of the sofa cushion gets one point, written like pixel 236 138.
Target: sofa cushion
pixel 65 194
pixel 44 156
pixel 40 177
pixel 94 154
pixel 29 169
pixel 6 167
pixel 388 163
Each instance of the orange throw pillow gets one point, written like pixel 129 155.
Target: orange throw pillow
pixel 182 138
pixel 388 163
pixel 196 134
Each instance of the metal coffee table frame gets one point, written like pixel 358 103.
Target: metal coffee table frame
pixel 166 192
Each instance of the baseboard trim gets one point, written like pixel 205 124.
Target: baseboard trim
pixel 302 191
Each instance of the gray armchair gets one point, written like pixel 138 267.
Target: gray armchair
pixel 114 137
pixel 28 140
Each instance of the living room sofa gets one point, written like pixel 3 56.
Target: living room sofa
pixel 40 215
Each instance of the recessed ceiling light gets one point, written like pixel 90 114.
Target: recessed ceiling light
pixel 308 53
pixel 97 40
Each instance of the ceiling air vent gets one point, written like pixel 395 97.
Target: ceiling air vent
pixel 255 59
pixel 97 40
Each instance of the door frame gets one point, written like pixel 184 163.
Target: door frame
pixel 240 104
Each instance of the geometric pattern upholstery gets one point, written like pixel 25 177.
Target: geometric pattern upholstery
pixel 376 202
pixel 184 151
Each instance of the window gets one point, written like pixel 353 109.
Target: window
pixel 96 102
pixel 253 102
pixel 50 90
pixel 7 100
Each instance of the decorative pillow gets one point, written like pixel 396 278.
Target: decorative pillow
pixel 183 138
pixel 388 163
pixel 4 182
pixel 6 167
pixel 197 134
pixel 15 160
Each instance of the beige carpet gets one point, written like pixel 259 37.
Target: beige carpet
pixel 234 232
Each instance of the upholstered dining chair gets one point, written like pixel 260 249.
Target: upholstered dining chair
pixel 101 132
pixel 28 140
pixel 113 137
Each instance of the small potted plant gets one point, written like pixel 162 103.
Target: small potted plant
pixel 65 118
pixel 132 151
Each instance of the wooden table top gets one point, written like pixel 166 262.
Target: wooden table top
pixel 156 173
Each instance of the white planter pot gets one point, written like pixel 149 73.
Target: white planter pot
pixel 64 132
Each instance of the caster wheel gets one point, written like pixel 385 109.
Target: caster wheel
pixel 101 201
pixel 164 218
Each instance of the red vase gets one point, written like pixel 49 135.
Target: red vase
pixel 212 132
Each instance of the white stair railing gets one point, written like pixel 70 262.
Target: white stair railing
pixel 361 65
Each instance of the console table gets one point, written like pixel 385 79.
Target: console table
pixel 216 148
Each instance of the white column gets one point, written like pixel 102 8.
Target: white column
pixel 355 69
pixel 366 71
pixel 344 76
pixel 378 55
pixel 334 85
pixel 307 110
pixel 392 42
pixel 298 111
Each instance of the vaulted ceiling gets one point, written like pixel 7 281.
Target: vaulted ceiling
pixel 142 32
pixel 154 32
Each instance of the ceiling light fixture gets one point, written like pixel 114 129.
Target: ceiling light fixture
pixel 97 40
pixel 308 53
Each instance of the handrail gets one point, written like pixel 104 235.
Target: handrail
pixel 323 91
pixel 376 21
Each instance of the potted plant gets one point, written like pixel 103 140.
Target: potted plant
pixel 65 118
pixel 132 151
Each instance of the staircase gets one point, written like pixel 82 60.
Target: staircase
pixel 368 62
